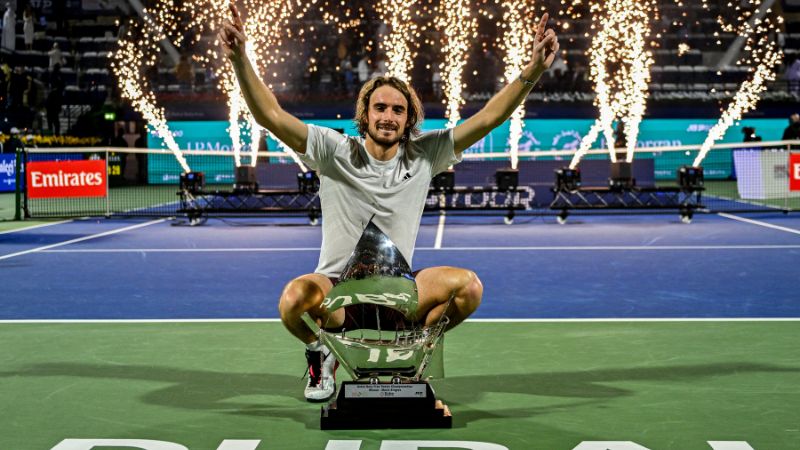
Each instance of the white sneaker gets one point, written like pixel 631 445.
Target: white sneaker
pixel 322 367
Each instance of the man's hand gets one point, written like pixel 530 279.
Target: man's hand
pixel 502 104
pixel 231 36
pixel 260 100
pixel 545 48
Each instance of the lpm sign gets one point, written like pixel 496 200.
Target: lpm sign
pixel 61 179
pixel 8 173
pixel 794 171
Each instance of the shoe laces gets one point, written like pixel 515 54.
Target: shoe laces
pixel 314 369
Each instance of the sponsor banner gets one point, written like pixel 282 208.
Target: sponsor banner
pixel 8 173
pixel 66 179
pixel 794 171
pixel 538 135
pixel 164 169
pixel 195 136
pixel 764 174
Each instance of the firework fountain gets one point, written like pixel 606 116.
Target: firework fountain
pixel 762 54
pixel 620 68
pixel 516 41
pixel 397 15
pixel 265 24
pixel 619 59
pixel 139 48
pixel 458 25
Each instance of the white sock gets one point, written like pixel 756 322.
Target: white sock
pixel 315 346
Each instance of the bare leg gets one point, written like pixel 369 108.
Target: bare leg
pixel 437 285
pixel 305 294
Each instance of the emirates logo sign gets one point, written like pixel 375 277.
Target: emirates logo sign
pixel 62 179
pixel 794 172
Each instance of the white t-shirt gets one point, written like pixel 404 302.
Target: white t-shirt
pixel 354 187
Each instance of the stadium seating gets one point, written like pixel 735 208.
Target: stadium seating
pixel 87 40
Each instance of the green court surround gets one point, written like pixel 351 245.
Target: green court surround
pixel 548 386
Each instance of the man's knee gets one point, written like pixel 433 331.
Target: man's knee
pixel 472 290
pixel 300 295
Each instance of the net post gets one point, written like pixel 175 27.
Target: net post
pixel 108 182
pixel 18 179
pixel 788 172
pixel 25 202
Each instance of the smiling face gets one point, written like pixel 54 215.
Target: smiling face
pixel 387 116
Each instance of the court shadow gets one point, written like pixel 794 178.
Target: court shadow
pixel 198 389
pixel 589 387
pixel 22 237
pixel 9 264
pixel 223 391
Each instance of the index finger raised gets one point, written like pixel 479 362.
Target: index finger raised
pixel 237 18
pixel 540 28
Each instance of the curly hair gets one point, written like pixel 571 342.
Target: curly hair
pixel 415 112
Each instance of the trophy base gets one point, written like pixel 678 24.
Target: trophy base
pixel 363 406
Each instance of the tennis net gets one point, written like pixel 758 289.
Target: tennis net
pixel 146 182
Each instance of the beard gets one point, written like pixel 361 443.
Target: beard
pixel 375 135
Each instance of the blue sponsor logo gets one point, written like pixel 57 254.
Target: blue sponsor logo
pixel 8 173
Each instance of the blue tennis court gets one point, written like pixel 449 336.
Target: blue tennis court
pixel 724 266
pixel 608 332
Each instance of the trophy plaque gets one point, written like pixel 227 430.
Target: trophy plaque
pixel 387 352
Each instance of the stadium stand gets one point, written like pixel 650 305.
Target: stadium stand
pixel 86 37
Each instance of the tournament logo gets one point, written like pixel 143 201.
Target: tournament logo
pixel 567 140
pixel 528 142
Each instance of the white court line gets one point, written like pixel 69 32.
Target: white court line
pixel 594 320
pixel 644 319
pixel 85 238
pixel 739 200
pixel 36 226
pixel 184 250
pixel 626 247
pixel 758 222
pixel 543 248
pixel 139 321
pixel 439 232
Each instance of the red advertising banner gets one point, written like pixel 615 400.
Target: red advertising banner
pixel 794 171
pixel 60 179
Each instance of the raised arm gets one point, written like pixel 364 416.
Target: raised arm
pixel 261 101
pixel 502 105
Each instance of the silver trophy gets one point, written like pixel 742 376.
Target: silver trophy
pixel 389 354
